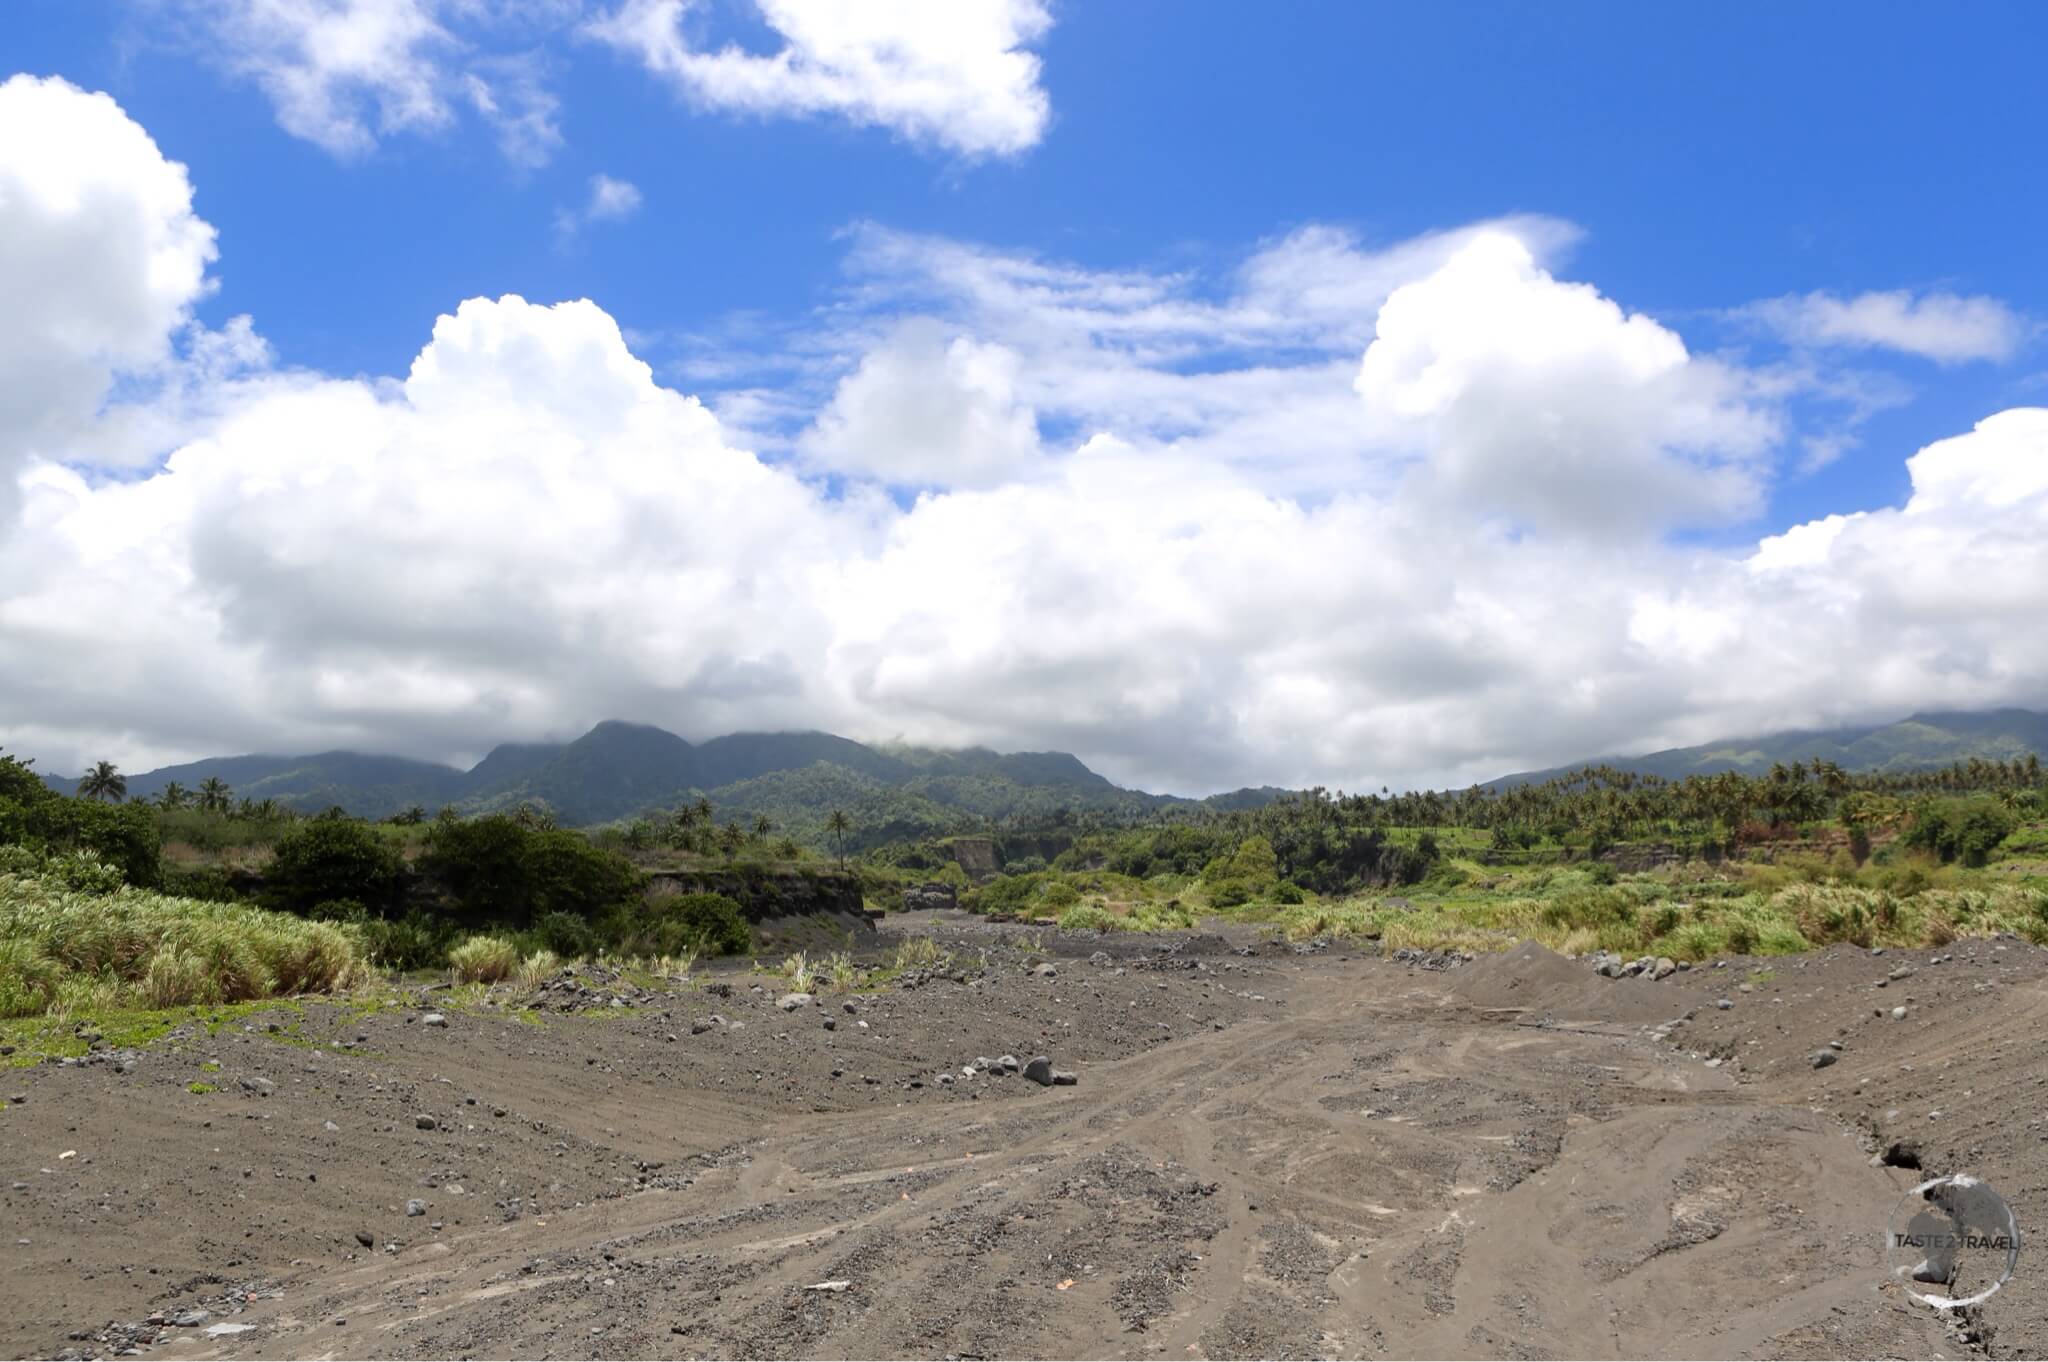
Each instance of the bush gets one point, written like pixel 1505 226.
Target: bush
pixel 206 883
pixel 415 941
pixel 1966 830
pixel 502 869
pixel 566 935
pixel 332 857
pixel 484 960
pixel 1289 893
pixel 701 924
pixel 1005 894
pixel 1086 917
pixel 1231 893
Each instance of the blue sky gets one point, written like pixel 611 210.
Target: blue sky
pixel 1712 156
pixel 1747 176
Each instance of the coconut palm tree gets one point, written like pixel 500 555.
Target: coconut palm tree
pixel 763 825
pixel 104 782
pixel 173 797
pixel 837 823
pixel 214 795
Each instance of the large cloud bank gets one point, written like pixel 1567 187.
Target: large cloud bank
pixel 1417 531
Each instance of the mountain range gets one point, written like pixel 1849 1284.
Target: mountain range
pixel 619 770
pixel 1921 742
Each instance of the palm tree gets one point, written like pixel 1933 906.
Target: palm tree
pixel 173 797
pixel 837 823
pixel 104 782
pixel 214 795
pixel 730 839
pixel 763 826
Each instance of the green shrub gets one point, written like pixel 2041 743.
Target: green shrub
pixel 1965 830
pixel 502 869
pixel 1086 917
pixel 566 935
pixel 416 941
pixel 484 960
pixel 206 883
pixel 1231 893
pixel 1289 893
pixel 681 924
pixel 1005 894
pixel 332 857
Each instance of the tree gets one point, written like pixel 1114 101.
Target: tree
pixel 838 824
pixel 173 797
pixel 763 825
pixel 333 857
pixel 731 839
pixel 104 782
pixel 215 796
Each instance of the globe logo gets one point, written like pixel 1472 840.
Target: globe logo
pixel 1952 1242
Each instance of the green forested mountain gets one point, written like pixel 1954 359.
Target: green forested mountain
pixel 1923 742
pixel 621 770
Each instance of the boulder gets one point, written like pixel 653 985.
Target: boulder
pixel 1039 1070
pixel 790 1002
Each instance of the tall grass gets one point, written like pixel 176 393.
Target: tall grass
pixel 484 960
pixel 66 950
pixel 1648 915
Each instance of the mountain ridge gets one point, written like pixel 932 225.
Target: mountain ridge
pixel 619 769
pixel 1921 741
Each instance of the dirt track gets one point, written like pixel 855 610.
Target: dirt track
pixel 1281 1155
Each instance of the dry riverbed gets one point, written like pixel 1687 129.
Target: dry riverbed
pixel 1267 1151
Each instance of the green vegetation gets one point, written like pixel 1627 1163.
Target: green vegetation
pixel 484 960
pixel 694 924
pixel 67 950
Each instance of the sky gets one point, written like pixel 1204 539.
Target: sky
pixel 1316 394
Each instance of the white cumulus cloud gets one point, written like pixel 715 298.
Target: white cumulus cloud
pixel 924 408
pixel 957 74
pixel 1341 519
pixel 101 261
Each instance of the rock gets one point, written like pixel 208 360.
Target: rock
pixel 1745 988
pixel 1823 1058
pixel 790 1002
pixel 1898 1014
pixel 259 1086
pixel 366 1239
pixel 1835 1045
pixel 700 1026
pixel 425 1122
pixel 1902 972
pixel 1064 1078
pixel 433 1019
pixel 1039 1070
pixel 1723 1003
pixel 227 1330
pixel 1047 971
pixel 330 1127
pixel 1007 1063
pixel 831 1024
pixel 415 1207
pixel 1664 968
pixel 192 1318
pixel 929 896
pixel 848 1007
